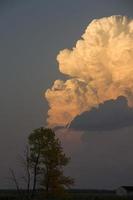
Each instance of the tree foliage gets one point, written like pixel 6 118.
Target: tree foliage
pixel 47 161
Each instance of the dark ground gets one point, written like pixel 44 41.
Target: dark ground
pixel 72 195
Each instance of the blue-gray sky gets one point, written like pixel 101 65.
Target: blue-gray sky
pixel 32 32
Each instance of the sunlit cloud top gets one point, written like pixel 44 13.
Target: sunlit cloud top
pixel 100 67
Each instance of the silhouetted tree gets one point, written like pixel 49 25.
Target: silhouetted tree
pixel 47 161
pixel 25 161
pixel 15 181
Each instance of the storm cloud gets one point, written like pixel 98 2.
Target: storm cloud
pixel 113 114
pixel 100 67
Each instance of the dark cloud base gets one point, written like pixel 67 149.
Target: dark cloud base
pixel 113 114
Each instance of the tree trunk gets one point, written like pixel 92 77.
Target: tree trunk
pixel 35 176
pixel 16 183
pixel 47 183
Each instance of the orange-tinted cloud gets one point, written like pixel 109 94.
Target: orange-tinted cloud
pixel 100 67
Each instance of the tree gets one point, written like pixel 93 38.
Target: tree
pixel 15 181
pixel 47 161
pixel 25 161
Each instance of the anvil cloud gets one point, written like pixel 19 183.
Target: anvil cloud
pixel 100 68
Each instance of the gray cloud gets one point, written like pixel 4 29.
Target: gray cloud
pixel 113 114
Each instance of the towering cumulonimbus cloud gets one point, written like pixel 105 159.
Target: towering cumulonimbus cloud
pixel 100 68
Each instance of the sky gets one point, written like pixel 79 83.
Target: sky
pixel 32 33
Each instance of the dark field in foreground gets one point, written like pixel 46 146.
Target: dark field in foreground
pixel 72 195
